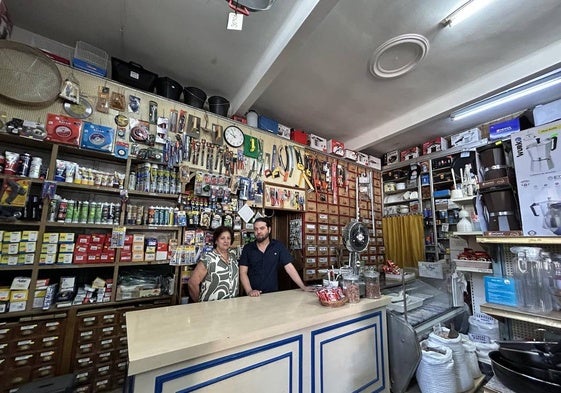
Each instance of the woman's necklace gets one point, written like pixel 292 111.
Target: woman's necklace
pixel 224 256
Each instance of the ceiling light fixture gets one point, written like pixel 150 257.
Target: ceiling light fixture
pixel 535 85
pixel 464 11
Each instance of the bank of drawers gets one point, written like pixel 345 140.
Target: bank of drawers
pixel 30 350
pixel 100 350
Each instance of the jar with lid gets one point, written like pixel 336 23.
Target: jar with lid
pixel 372 283
pixel 351 288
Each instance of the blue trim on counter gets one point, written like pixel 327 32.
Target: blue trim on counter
pixel 162 379
pixel 379 353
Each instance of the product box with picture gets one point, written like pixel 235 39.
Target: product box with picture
pixel 537 163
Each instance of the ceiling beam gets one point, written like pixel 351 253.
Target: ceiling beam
pixel 300 23
pixel 540 60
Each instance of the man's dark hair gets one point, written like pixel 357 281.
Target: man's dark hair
pixel 266 220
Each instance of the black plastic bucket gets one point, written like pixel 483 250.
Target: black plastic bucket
pixel 194 96
pixel 169 88
pixel 218 105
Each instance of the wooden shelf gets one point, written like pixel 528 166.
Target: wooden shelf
pixel 152 194
pixel 16 267
pixel 74 265
pixel 154 227
pixel 76 225
pixel 21 223
pixel 518 240
pixel 86 187
pixel 141 263
pixel 16 177
pixel 552 319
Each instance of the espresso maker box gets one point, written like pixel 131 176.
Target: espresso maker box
pixel 537 163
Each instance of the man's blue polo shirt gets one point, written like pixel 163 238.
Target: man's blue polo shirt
pixel 263 267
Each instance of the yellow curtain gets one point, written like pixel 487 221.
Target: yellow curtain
pixel 404 239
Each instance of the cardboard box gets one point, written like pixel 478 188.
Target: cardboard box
pixel 536 156
pixel 375 163
pixel 503 129
pixel 17 306
pixel 13 237
pixel 547 113
pixel 431 269
pixel 20 283
pixel 50 237
pixel 4 294
pixel 66 237
pixel 283 131
pixel 65 258
pixel 49 248
pixel 47 259
pixel 18 296
pixel 390 157
pixel 66 247
pixel 350 154
pixel 410 153
pixel 465 137
pixel 317 143
pixel 26 259
pixel 27 247
pixel 362 158
pixel 336 147
pixel 138 238
pixel 434 145
pixel 29 236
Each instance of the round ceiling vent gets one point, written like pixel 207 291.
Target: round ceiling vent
pixel 398 55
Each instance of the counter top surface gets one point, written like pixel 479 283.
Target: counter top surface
pixel 159 337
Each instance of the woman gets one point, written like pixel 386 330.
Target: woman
pixel 216 275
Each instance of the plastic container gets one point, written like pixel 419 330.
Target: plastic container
pixel 167 87
pixel 194 97
pixel 252 118
pixel 90 59
pixel 351 288
pixel 218 105
pixel 372 283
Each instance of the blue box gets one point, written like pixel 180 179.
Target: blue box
pixel 266 124
pixel 97 137
pixel 500 290
pixel 503 129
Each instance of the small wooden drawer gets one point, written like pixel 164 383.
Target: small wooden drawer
pixel 333 209
pixel 344 220
pixel 25 345
pixel 48 357
pixel 343 211
pixel 107 331
pixel 87 321
pixel 310 228
pixel 84 362
pixel 323 229
pixel 310 239
pixel 322 240
pixel 109 318
pixel 50 341
pixel 323 208
pixel 323 218
pixel 103 370
pixel 310 217
pixel 344 201
pixel 323 251
pixel 29 329
pixel 85 348
pixel 87 335
pixel 311 206
pixel 45 371
pixel 334 229
pixel 310 263
pixel 104 357
pixel 332 250
pixel 84 376
pixel 22 360
pixel 311 250
pixel 334 239
pixel 323 262
pixel 107 343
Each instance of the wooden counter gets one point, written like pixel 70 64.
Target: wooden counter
pixel 285 341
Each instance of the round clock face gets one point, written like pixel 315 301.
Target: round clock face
pixel 233 136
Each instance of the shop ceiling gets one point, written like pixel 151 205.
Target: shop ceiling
pixel 305 63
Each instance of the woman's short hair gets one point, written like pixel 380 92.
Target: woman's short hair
pixel 219 231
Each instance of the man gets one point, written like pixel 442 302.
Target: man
pixel 261 260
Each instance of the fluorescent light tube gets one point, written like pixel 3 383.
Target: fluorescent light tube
pixel 510 95
pixel 464 11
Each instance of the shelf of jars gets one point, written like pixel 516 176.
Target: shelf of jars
pixel 552 319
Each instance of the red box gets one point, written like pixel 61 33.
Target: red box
pixel 98 238
pixel 128 239
pixel 299 136
pixel 162 246
pixel 81 248
pixel 126 256
pixel 434 145
pixel 336 147
pixel 408 154
pixel 84 239
pixel 63 129
pixel 95 248
pixel 80 257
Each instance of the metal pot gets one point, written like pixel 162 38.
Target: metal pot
pixel 551 213
pixel 516 380
pixel 540 354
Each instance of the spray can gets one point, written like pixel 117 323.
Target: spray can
pixel 70 208
pixel 35 167
pixel 84 212
pixel 91 213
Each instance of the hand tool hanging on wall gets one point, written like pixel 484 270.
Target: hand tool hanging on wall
pixel 275 171
pixel 303 174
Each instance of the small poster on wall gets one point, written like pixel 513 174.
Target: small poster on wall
pixel 295 238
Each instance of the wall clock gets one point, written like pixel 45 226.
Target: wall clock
pixel 234 136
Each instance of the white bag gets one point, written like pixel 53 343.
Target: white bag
pixel 471 356
pixel 435 373
pixel 461 368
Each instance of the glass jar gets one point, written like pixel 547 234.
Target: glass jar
pixel 351 288
pixel 372 283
